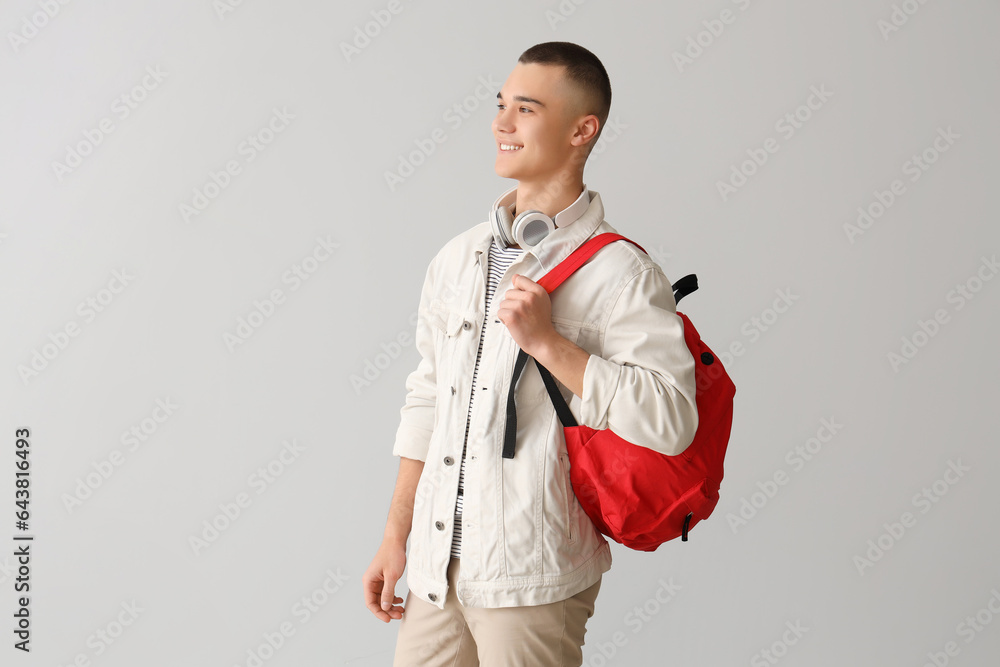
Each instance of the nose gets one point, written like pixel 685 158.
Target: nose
pixel 503 121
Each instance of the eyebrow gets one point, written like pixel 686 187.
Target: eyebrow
pixel 522 98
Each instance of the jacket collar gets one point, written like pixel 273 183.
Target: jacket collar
pixel 568 236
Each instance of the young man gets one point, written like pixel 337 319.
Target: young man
pixel 504 566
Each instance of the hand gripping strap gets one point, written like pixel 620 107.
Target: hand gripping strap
pixel 550 281
pixel 682 287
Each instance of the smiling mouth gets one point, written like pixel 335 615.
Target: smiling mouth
pixel 509 148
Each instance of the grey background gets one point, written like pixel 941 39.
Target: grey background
pixel 681 129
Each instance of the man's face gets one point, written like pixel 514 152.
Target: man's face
pixel 536 110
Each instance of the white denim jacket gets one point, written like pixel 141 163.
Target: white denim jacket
pixel 525 539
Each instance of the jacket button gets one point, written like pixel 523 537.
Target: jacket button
pixel 466 325
pixel 439 525
pixel 452 390
pixel 448 460
pixel 432 596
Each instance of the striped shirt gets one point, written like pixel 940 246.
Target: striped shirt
pixel 500 259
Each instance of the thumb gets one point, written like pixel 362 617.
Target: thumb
pixel 388 593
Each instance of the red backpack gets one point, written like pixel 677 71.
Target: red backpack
pixel 639 497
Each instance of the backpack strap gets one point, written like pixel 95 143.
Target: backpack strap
pixel 511 427
pixel 558 402
pixel 576 259
pixel 550 281
pixel 684 286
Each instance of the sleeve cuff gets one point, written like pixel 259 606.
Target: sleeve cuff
pixel 411 442
pixel 600 381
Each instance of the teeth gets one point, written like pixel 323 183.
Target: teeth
pixel 508 147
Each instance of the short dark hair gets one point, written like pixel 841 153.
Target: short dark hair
pixel 584 69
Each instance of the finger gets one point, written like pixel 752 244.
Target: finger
pixel 388 593
pixel 515 295
pixel 372 594
pixel 396 611
pixel 525 283
pixel 378 613
pixel 372 591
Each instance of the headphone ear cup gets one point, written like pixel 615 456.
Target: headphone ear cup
pixel 531 227
pixel 502 227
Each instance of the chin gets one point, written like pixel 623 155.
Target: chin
pixel 505 172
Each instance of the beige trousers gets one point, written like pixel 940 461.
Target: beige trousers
pixel 546 635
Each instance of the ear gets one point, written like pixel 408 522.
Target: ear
pixel 585 130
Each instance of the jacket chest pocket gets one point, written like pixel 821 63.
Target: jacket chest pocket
pixel 454 333
pixel 568 329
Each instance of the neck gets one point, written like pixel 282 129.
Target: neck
pixel 549 197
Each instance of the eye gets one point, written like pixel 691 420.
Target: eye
pixel 501 106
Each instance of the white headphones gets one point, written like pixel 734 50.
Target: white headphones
pixel 527 229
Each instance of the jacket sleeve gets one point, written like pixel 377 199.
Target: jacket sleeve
pixel 643 385
pixel 416 417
